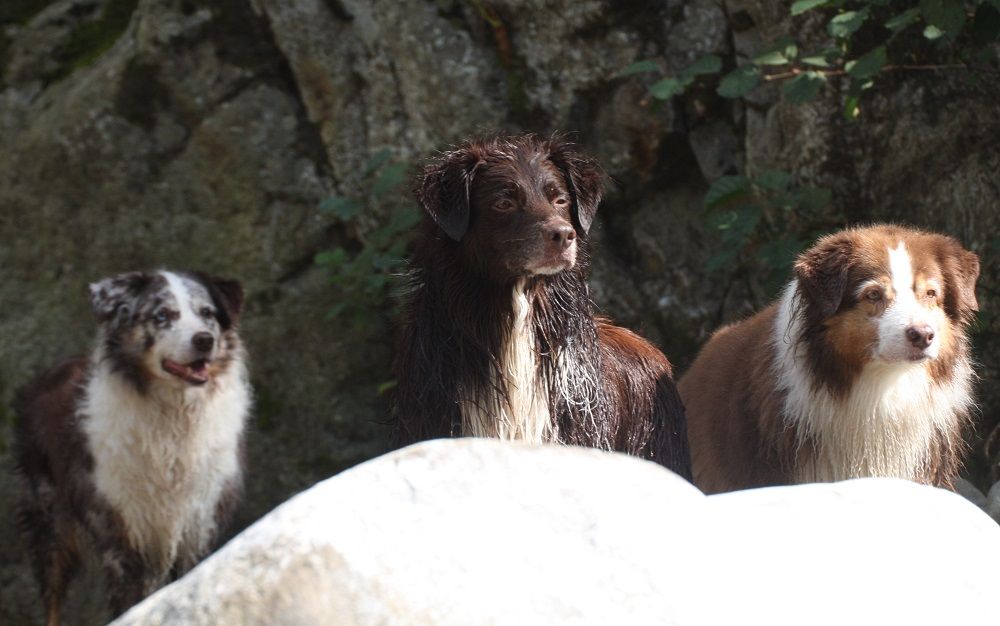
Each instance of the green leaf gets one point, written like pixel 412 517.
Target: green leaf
pixel 721 259
pixel 851 109
pixel 377 160
pixel 341 207
pixel 801 6
pixel 986 24
pixel 389 178
pixel 868 65
pixel 669 87
pixel 739 82
pixel 932 32
pixel 803 87
pixel 773 180
pixel 816 61
pixel 813 198
pixel 780 253
pixel 708 64
pixel 333 258
pixel 726 188
pixel 947 15
pixel 845 24
pixel 903 20
pixel 780 52
pixel 640 67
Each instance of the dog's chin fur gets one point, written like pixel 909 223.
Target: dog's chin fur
pixel 181 439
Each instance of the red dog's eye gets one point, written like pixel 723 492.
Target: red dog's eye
pixel 875 295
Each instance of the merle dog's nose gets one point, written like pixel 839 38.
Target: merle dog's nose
pixel 920 335
pixel 203 342
pixel 561 234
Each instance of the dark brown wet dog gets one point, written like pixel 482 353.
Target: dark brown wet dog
pixel 501 339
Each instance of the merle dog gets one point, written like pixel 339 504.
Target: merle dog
pixel 136 450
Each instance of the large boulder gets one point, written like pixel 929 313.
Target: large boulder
pixel 478 531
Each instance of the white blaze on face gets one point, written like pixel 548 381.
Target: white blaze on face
pixel 176 343
pixel 905 311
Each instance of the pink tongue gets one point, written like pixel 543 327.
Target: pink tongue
pixel 194 373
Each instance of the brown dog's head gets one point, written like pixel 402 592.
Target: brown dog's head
pixel 517 206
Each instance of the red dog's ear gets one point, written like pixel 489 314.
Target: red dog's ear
pixel 584 178
pixel 822 272
pixel 443 191
pixel 961 270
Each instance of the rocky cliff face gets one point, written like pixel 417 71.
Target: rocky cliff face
pixel 204 135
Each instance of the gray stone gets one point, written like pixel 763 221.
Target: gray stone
pixel 477 531
pixel 993 502
pixel 970 492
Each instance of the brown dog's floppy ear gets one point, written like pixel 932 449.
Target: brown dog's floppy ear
pixel 111 297
pixel 443 191
pixel 584 178
pixel 961 270
pixel 822 272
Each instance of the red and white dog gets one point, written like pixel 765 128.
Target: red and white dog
pixel 860 369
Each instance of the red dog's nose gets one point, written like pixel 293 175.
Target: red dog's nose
pixel 920 335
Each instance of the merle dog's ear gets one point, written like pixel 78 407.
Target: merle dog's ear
pixel 227 295
pixel 584 178
pixel 961 270
pixel 111 297
pixel 443 191
pixel 822 272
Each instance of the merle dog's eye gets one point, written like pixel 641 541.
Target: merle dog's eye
pixel 206 312
pixel 161 317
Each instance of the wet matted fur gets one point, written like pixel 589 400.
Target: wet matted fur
pixel 501 339
pixel 136 451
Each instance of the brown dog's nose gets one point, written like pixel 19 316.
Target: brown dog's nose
pixel 203 342
pixel 920 335
pixel 562 235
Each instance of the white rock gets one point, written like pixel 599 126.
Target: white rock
pixel 482 532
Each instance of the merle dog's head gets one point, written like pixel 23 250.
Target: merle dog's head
pixel 176 327
pixel 516 206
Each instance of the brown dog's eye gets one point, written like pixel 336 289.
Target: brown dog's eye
pixel 504 205
pixel 561 200
pixel 932 293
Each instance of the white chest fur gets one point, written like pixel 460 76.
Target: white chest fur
pixel 163 459
pixel 524 413
pixel 884 426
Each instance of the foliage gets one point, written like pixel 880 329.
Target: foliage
pixel 866 41
pixel 764 222
pixel 362 278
